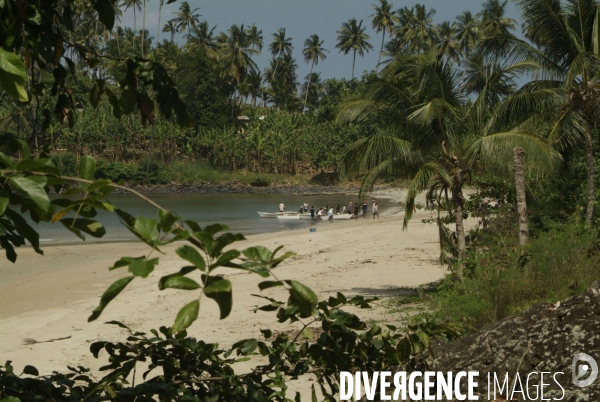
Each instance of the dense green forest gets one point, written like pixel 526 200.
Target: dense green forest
pixel 288 122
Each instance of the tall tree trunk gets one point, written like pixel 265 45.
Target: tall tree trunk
pixel 353 62
pixel 144 29
pixel 589 156
pixel 134 28
pixel 160 4
pixel 308 87
pixel 380 51
pixel 457 200
pixel 519 169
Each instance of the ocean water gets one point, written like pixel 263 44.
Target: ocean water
pixel 238 211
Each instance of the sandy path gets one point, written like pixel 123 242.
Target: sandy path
pixel 52 296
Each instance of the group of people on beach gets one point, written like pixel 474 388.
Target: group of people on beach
pixel 350 209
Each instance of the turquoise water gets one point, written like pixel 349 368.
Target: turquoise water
pixel 238 211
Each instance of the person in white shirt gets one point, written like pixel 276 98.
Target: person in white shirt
pixel 330 214
pixel 305 206
pixel 281 207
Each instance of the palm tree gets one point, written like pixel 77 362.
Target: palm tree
pixel 236 57
pixel 135 4
pixel 313 94
pixel 186 17
pixel 159 15
pixel 255 37
pixel 170 27
pixel 352 38
pixel 425 127
pixel 467 32
pixel 254 86
pixel 313 52
pixel 493 20
pixel 203 37
pixel 383 21
pixel 417 29
pixel 280 46
pixel 566 53
pixel 447 47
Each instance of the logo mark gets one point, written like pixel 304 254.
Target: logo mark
pixel 584 366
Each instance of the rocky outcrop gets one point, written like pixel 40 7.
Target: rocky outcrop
pixel 238 188
pixel 543 339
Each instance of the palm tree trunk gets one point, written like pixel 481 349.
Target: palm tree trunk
pixel 519 170
pixel 308 87
pixel 589 156
pixel 144 29
pixel 457 200
pixel 353 61
pixel 134 28
pixel 158 30
pixel 380 51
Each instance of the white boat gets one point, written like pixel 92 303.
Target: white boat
pixel 341 217
pixel 288 215
pixel 268 214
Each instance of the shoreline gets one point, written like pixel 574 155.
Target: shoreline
pixel 51 296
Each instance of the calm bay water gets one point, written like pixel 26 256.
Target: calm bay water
pixel 238 211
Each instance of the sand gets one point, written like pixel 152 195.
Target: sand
pixel 51 296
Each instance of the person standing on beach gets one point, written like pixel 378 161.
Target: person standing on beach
pixel 281 207
pixel 330 214
pixel 364 209
pixel 305 206
pixel 375 210
pixel 350 208
pixel 312 212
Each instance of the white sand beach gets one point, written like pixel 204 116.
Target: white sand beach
pixel 51 296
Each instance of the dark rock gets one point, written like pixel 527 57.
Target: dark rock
pixel 545 338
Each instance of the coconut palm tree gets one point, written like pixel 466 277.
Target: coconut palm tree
pixel 160 5
pixel 446 45
pixel 280 46
pixel 566 52
pixel 467 32
pixel 135 4
pixel 313 52
pixel 186 17
pixel 253 85
pixel 353 38
pixel 255 37
pixel 493 20
pixel 313 94
pixel 426 127
pixel 416 28
pixel 236 57
pixel 170 27
pixel 382 21
pixel 201 36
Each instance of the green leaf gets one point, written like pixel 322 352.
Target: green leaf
pixel 110 293
pixel 269 284
pixel 183 271
pixel 225 259
pixel 303 296
pixel 30 370
pixel 10 399
pixel 191 255
pixel 222 241
pixel 95 95
pixel 13 75
pixel 256 267
pixel 3 203
pixel 167 219
pixel 128 101
pixel 258 253
pixel 179 282
pixel 89 226
pixel 33 190
pixel 124 262
pixel 114 102
pixel 267 333
pixel 146 229
pixel 87 167
pixel 403 349
pixel 143 268
pixel 186 316
pixel 23 228
pixel 106 13
pixel 219 290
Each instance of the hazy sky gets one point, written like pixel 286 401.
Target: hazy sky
pixel 302 18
